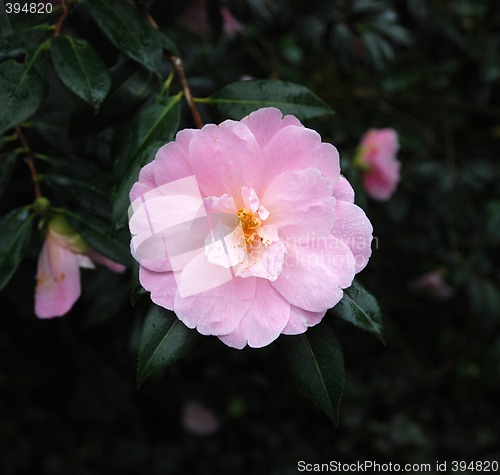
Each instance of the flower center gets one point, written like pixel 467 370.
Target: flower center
pixel 249 223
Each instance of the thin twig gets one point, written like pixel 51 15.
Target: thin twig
pixel 29 161
pixel 179 69
pixel 60 22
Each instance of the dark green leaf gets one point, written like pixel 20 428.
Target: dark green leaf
pixel 7 164
pixel 128 31
pixel 316 361
pixel 168 44
pixel 97 234
pixel 360 308
pixel 378 48
pixel 137 290
pixel 18 42
pixel 131 86
pixel 81 69
pixel 121 200
pixel 14 240
pixel 22 91
pixel 83 192
pixel 241 98
pixel 164 339
pixel 136 144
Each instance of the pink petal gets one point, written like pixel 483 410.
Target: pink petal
pixel 295 148
pixel 300 204
pixel 225 249
pixel 354 229
pixel 217 311
pixel 162 286
pixel 315 273
pixel 223 204
pixel 171 161
pixel 58 280
pixel 226 157
pixel 145 183
pixel 266 122
pixel 380 185
pixel 100 259
pixel 264 320
pixel 163 224
pixel 300 320
pixel 343 190
pixel 264 261
pixel 230 25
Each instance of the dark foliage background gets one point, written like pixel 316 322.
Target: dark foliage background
pixel 428 68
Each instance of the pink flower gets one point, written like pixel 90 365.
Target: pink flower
pixel 58 274
pixel 247 230
pixel 196 19
pixel 376 157
pixel 199 419
pixel 433 285
pixel 230 25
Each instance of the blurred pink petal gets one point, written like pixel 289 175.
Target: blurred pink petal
pixel 196 19
pixel 230 25
pixel 433 285
pixel 100 259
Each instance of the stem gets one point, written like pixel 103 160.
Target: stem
pixel 29 161
pixel 60 22
pixel 179 69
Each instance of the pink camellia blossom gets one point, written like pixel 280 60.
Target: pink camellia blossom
pixel 247 229
pixel 376 156
pixel 58 274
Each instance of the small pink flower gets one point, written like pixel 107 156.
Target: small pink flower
pixel 195 18
pixel 247 230
pixel 376 157
pixel 199 419
pixel 58 274
pixel 433 285
pixel 230 25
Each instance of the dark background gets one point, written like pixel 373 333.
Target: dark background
pixel 428 68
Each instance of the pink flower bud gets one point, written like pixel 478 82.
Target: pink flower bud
pixel 376 157
pixel 58 274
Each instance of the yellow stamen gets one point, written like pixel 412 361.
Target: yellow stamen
pixel 249 222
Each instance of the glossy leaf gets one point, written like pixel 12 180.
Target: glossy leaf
pixel 360 308
pixel 97 234
pixel 169 46
pixel 80 69
pixel 136 144
pixel 164 339
pixel 18 42
pixel 14 240
pixel 85 192
pixel 241 98
pixel 131 86
pixel 7 165
pixel 316 361
pixel 123 24
pixel 22 91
